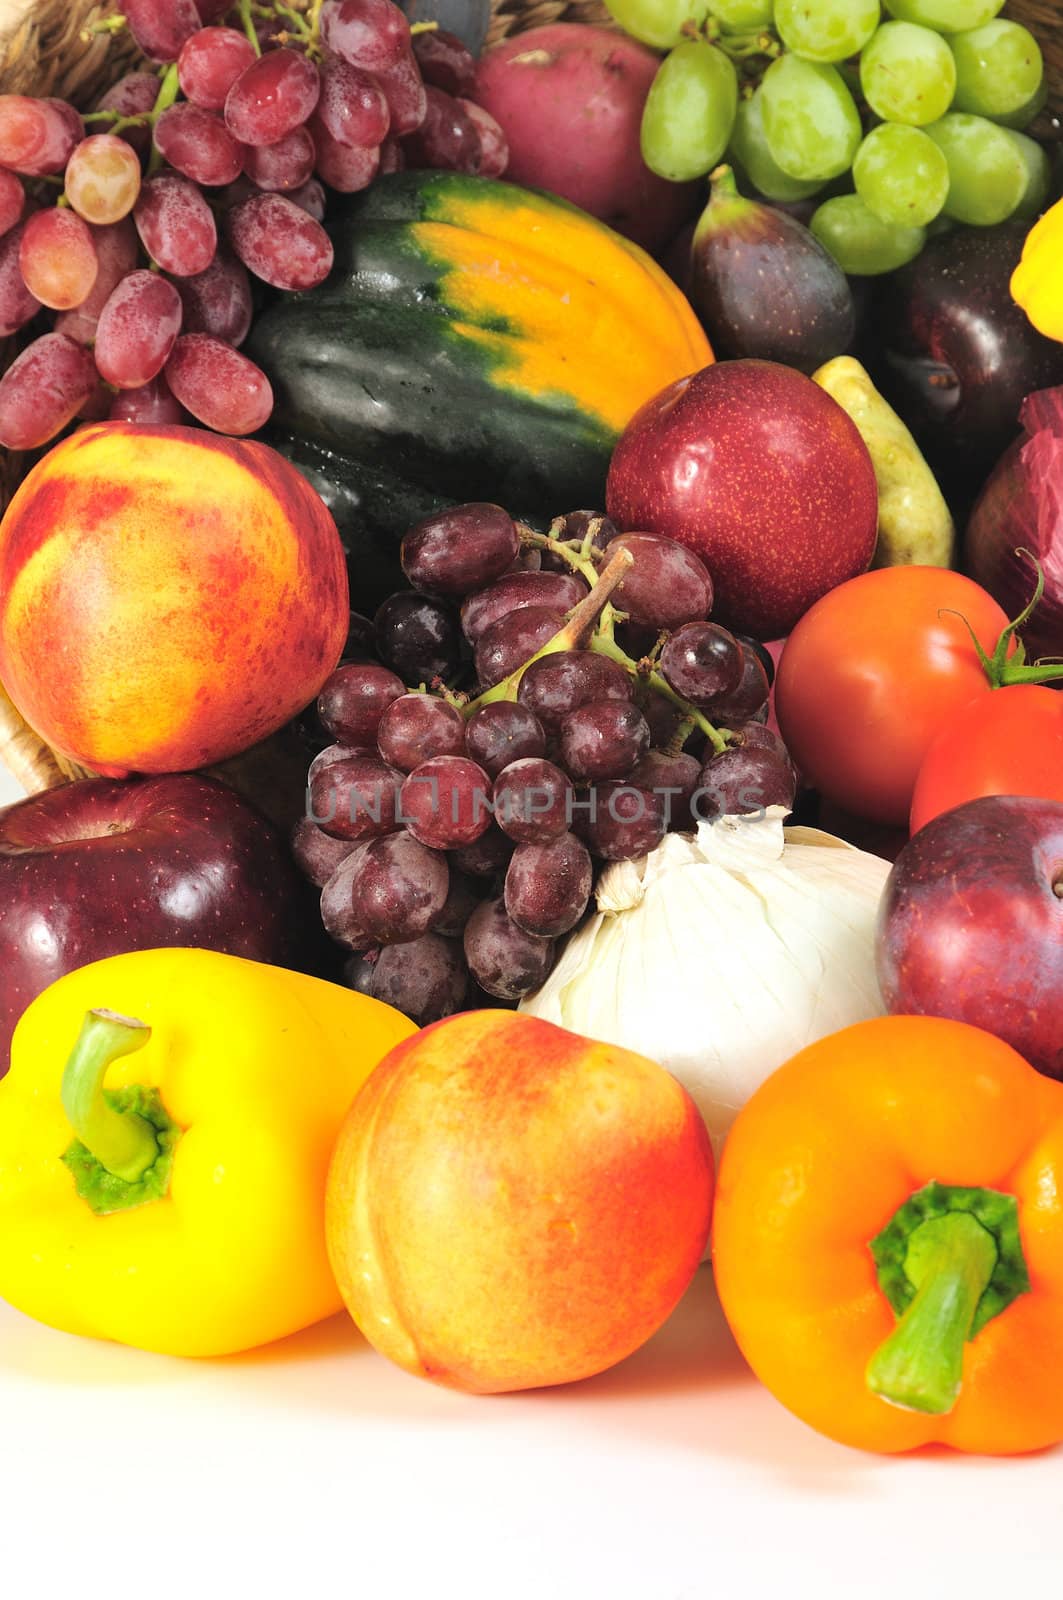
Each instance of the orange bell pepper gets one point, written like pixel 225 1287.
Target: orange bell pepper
pixel 888 1239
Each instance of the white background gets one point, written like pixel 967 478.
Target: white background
pixel 315 1467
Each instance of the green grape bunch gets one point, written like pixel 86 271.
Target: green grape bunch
pixel 898 119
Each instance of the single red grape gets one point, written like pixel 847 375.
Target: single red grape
pixel 417 637
pixel 218 301
pixel 392 889
pixel 160 27
pixel 280 243
pixel 517 591
pixel 503 732
pixel 603 739
pixel 445 61
pixel 667 585
pixel 17 305
pixel 281 167
pixel 503 959
pixel 353 108
pixel 210 63
pixel 354 699
pixel 751 694
pixel 276 93
pixel 12 200
pixel 621 822
pixel 445 138
pixel 453 552
pixel 343 168
pixel 446 802
pixel 487 856
pixel 702 662
pixel 548 885
pixel 176 225
pixel 311 197
pixel 219 386
pixel 494 146
pixel 317 855
pixel 674 778
pixel 512 640
pixel 415 727
pixel 102 179
pixel 355 797
pixel 198 145
pixel 405 93
pixel 366 33
pixel 152 404
pixel 426 979
pixel 137 330
pixel 37 137
pixel 57 258
pixel 533 800
pixel 744 780
pixel 43 389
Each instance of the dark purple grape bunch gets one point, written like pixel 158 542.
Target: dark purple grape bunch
pixel 463 831
pixel 212 174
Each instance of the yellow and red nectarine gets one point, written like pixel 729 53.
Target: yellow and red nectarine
pixel 168 597
pixel 511 1205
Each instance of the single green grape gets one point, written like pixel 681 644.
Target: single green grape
pixel 988 175
pixel 689 111
pixel 999 68
pixel 741 16
pixel 810 119
pixel 826 30
pixel 1025 115
pixel 901 175
pixel 947 16
pixel 657 22
pixel 749 148
pixel 1038 175
pixel 861 244
pixel 908 74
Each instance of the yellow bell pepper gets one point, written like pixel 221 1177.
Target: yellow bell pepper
pixel 181 1208
pixel 1037 282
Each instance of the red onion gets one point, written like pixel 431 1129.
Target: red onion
pixel 1021 507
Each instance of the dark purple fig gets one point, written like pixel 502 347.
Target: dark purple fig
pixel 955 355
pixel 763 286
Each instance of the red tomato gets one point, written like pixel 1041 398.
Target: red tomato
pixel 871 674
pixel 1011 743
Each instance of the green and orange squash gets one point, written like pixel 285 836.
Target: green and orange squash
pixel 475 340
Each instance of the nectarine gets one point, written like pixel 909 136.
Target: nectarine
pixel 168 597
pixel 511 1205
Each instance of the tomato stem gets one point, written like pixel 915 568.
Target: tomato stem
pixel 1006 667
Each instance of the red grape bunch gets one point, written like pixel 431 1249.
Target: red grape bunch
pixel 455 835
pixel 144 225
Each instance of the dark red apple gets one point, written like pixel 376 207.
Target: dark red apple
pixel 971 924
pixel 756 468
pixel 104 866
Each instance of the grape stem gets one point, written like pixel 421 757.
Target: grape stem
pixel 113 24
pixel 249 26
pixel 168 91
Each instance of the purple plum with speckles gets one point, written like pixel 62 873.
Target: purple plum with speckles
pixel 971 924
pixel 761 472
pixel 100 867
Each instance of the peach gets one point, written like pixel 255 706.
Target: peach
pixel 511 1205
pixel 168 597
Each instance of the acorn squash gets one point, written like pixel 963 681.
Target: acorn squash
pixel 475 340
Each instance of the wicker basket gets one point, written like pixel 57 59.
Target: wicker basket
pixel 43 51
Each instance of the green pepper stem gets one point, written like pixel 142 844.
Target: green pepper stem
pixel 919 1367
pixel 121 1141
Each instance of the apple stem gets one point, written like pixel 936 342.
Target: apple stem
pixel 121 1141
